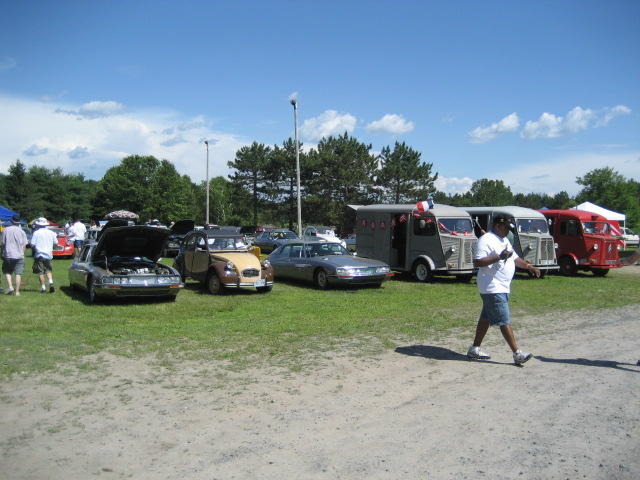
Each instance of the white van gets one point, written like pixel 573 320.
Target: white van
pixel 530 239
pixel 439 241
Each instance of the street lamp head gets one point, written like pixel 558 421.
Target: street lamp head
pixel 293 101
pixel 207 142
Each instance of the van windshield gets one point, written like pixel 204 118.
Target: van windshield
pixel 530 225
pixel 596 228
pixel 455 226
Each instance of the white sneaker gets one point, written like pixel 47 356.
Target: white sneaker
pixel 520 357
pixel 475 352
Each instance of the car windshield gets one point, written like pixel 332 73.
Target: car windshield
pixel 455 226
pixel 529 225
pixel 324 249
pixel 596 228
pixel 284 235
pixel 226 243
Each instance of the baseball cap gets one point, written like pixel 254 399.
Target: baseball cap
pixel 503 220
pixel 15 219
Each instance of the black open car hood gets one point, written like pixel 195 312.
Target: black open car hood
pixel 132 241
pixel 182 227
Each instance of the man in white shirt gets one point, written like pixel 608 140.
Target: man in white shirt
pixel 14 243
pixel 496 262
pixel 77 233
pixel 42 242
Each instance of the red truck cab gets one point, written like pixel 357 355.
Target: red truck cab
pixel 583 241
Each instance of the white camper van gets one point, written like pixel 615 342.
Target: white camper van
pixel 438 241
pixel 530 239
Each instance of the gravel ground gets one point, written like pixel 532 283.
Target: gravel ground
pixel 421 410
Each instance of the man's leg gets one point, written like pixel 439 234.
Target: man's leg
pixel 18 279
pixel 7 277
pixel 507 333
pixel 481 330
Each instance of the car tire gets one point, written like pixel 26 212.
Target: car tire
pixel 568 267
pixel 321 279
pixel 600 272
pixel 93 298
pixel 214 285
pixel 423 272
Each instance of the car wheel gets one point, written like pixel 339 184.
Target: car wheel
pixel 320 279
pixel 93 299
pixel 600 272
pixel 214 285
pixel 422 271
pixel 568 267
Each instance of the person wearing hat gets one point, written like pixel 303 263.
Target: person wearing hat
pixel 42 242
pixel 496 262
pixel 14 243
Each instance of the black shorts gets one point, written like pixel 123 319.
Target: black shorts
pixel 41 265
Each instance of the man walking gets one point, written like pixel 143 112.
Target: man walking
pixel 77 233
pixel 42 242
pixel 14 243
pixel 496 262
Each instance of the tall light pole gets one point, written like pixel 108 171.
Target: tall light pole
pixel 294 102
pixel 207 214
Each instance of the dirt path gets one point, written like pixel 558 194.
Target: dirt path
pixel 420 411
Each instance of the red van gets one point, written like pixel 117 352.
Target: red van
pixel 583 241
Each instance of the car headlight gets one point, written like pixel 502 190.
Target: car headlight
pixel 346 271
pixel 230 265
pixel 595 246
pixel 383 270
pixel 169 279
pixel 266 264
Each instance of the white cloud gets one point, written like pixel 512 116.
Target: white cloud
pixel 510 123
pixel 611 113
pixel 93 110
pixel 44 134
pixel 453 185
pixel 327 124
pixel 390 123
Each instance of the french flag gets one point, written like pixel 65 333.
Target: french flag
pixel 424 206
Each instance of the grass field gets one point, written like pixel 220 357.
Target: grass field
pixel 290 327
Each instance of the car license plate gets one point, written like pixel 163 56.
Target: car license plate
pixel 260 283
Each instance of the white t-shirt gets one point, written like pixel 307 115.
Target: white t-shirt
pixel 42 242
pixel 496 278
pixel 77 231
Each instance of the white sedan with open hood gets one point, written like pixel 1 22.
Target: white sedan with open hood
pixel 123 262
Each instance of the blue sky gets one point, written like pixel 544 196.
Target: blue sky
pixel 534 93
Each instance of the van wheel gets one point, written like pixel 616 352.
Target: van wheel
pixel 423 272
pixel 320 279
pixel 568 267
pixel 214 285
pixel 600 272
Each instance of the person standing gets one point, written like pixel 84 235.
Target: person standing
pixel 496 262
pixel 14 243
pixel 42 242
pixel 77 233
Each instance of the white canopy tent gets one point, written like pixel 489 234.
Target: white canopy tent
pixel 608 214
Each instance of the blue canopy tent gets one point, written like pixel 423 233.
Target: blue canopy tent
pixel 6 214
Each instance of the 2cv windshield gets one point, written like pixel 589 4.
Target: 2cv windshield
pixel 596 228
pixel 532 225
pixel 455 226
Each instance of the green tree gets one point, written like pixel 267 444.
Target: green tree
pixel 250 164
pixel 338 173
pixel 402 177
pixel 609 189
pixel 486 193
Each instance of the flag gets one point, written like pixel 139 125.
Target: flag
pixel 424 206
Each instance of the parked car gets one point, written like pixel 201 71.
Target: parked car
pixel 320 232
pixel 269 240
pixel 350 243
pixel 630 238
pixel 326 264
pixel 178 232
pixel 123 262
pixel 64 248
pixel 222 261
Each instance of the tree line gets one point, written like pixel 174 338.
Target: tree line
pixel 262 188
